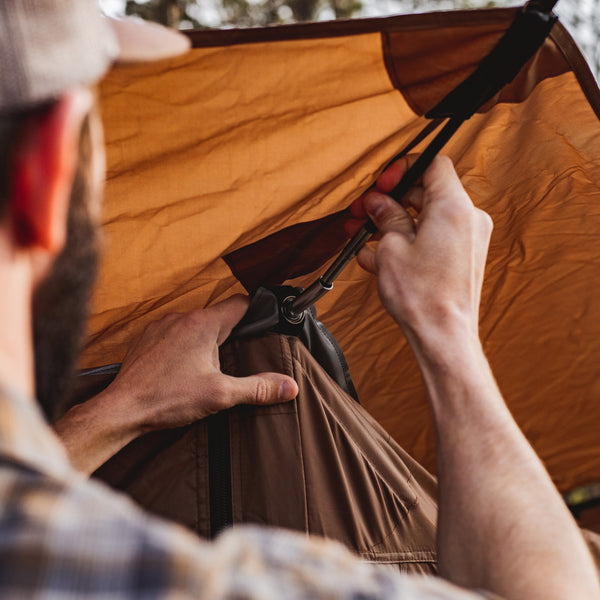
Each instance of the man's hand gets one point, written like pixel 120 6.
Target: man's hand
pixel 170 377
pixel 499 514
pixel 429 269
pixel 173 373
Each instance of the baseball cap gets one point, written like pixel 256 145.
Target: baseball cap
pixel 49 46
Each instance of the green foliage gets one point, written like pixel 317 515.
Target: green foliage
pixel 241 13
pixel 582 17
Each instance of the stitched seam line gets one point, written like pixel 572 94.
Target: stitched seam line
pixel 363 453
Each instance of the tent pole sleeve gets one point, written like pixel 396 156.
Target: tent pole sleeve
pixel 520 42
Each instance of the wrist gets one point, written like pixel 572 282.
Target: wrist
pixel 92 432
pixel 121 410
pixel 453 365
pixel 443 342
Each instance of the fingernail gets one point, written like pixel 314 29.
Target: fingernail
pixel 287 390
pixel 375 204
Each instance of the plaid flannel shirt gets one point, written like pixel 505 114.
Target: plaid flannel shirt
pixel 65 536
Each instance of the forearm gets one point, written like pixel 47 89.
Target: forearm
pixel 502 524
pixel 96 430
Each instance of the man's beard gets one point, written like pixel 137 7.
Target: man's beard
pixel 60 302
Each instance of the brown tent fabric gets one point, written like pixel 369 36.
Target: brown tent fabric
pixel 256 131
pixel 319 464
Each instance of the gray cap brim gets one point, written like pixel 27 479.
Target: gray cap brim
pixel 49 46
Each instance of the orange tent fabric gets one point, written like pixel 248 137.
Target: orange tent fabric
pixel 255 131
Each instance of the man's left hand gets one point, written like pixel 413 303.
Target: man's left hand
pixel 170 378
pixel 173 369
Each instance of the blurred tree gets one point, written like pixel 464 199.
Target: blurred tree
pixel 241 13
pixel 167 12
pixel 582 17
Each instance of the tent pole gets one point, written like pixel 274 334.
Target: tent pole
pixel 519 43
pixel 322 285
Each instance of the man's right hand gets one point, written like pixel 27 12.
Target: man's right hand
pixel 496 501
pixel 430 268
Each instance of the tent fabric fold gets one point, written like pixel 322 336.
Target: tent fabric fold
pixel 274 132
pixel 421 68
pixel 319 465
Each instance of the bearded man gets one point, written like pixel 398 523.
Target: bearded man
pixel 63 536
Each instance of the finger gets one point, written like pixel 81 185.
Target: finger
pixel 227 314
pixel 414 198
pixel 441 184
pixel 386 182
pixel 388 215
pixel 353 226
pixel 357 208
pixel 391 177
pixel 366 259
pixel 265 388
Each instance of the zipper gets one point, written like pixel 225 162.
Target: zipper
pixel 219 472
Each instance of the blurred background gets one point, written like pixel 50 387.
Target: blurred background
pixel 581 17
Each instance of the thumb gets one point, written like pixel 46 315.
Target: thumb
pixel 264 388
pixel 388 215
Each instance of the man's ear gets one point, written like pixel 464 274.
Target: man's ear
pixel 43 169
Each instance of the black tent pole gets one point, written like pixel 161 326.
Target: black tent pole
pixel 325 283
pixel 519 43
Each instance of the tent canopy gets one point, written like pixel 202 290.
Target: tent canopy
pixel 257 131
